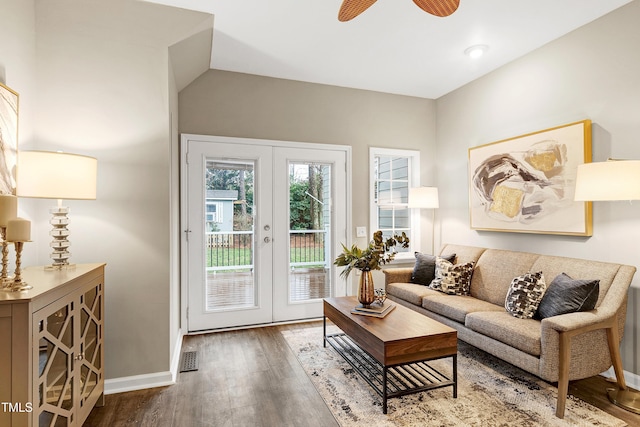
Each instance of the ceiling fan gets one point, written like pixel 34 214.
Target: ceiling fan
pixel 352 8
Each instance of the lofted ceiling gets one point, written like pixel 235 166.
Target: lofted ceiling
pixel 392 47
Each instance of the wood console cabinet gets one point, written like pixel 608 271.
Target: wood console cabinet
pixel 51 347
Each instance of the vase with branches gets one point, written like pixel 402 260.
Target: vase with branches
pixel 378 252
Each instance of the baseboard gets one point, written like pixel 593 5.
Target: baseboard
pixel 156 379
pixel 632 380
pixel 138 382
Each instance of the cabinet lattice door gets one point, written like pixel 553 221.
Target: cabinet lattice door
pixel 55 362
pixel 68 348
pixel 91 348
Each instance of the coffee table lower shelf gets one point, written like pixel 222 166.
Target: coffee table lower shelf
pixel 396 380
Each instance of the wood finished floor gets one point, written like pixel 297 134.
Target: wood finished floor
pixel 251 378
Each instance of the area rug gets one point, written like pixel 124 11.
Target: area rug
pixel 490 393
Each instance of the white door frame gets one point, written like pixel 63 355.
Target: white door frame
pixel 340 285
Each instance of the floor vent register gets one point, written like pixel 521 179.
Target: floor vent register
pixel 189 361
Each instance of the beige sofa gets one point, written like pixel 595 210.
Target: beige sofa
pixel 557 349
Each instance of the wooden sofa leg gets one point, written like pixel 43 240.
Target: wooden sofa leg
pixel 563 373
pixel 614 351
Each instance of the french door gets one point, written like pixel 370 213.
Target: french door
pixel 262 221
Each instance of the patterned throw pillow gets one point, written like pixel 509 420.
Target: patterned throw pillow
pixel 452 279
pixel 525 294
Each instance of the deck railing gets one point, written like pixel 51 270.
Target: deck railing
pixel 307 248
pixel 229 250
pixel 233 250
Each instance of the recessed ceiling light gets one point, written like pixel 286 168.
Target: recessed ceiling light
pixel 476 51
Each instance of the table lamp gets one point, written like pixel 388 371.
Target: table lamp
pixel 57 175
pixel 426 198
pixel 608 181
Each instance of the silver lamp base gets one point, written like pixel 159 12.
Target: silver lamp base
pixel 60 233
pixel 626 399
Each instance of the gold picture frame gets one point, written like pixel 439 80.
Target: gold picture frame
pixel 8 139
pixel 526 184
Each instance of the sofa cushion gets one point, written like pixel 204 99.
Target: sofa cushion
pixel 425 268
pixel 452 279
pixel 567 295
pixel 409 292
pixel 456 307
pixel 523 334
pixel 494 271
pixel 525 294
pixel 606 272
pixel 464 254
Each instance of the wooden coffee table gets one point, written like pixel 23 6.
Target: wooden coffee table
pixel 391 353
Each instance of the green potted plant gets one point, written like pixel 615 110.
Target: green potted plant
pixel 377 253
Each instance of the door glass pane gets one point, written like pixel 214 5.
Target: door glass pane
pixel 229 256
pixel 309 231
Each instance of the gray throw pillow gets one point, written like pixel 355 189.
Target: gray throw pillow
pixel 424 270
pixel 567 295
pixel 525 294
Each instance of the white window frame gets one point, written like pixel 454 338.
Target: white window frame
pixel 414 181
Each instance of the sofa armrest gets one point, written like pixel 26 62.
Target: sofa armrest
pixel 397 275
pixel 613 306
pixel 587 320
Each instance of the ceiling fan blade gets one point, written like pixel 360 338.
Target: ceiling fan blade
pixel 352 8
pixel 438 7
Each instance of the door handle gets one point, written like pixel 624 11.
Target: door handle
pixel 267 239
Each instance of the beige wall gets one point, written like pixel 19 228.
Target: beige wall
pixel 18 71
pixel 592 73
pixel 242 105
pixel 18 58
pixel 103 89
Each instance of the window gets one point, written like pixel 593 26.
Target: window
pixel 214 212
pixel 393 172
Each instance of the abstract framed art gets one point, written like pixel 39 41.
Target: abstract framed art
pixel 526 184
pixel 8 139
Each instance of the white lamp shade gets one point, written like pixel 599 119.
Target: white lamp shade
pixel 51 175
pixel 611 180
pixel 423 197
